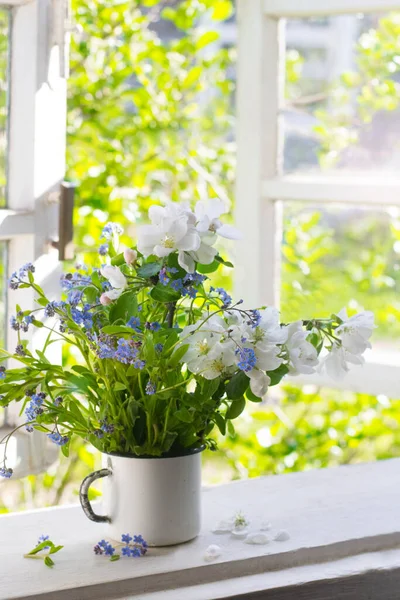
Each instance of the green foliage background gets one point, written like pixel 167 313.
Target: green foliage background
pixel 151 117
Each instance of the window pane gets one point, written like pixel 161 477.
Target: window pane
pixel 342 111
pixel 4 72
pixel 340 256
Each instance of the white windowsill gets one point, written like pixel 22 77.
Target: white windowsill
pixel 344 525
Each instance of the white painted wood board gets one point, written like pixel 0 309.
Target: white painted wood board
pixel 331 514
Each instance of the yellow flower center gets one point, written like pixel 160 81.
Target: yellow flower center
pixel 202 347
pixel 168 242
pixel 218 365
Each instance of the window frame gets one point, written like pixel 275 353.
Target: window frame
pixel 36 142
pixel 261 184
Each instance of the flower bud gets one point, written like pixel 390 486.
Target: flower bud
pixel 130 256
pixel 105 300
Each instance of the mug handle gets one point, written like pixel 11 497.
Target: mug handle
pixel 84 497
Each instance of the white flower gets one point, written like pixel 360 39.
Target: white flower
pixel 355 331
pixel 168 236
pixel 117 280
pixel 335 363
pixel 303 356
pixel 172 229
pixel 200 344
pixel 208 223
pixel 219 360
pixel 259 382
pixel 268 332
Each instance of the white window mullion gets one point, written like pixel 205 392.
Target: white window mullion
pixel 334 189
pixel 260 75
pixel 317 8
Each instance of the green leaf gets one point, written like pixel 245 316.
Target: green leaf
pixel 115 557
pixel 111 329
pixel 161 293
pixel 118 386
pixel 237 386
pixel 220 422
pixel 184 415
pixel 65 450
pixel 177 355
pixel 226 263
pixel 55 549
pixel 252 397
pixel 278 374
pixel 204 269
pixel 150 269
pixel 124 308
pixel 118 260
pixel 236 408
pixel 40 547
pixel 170 341
pixel 48 561
pixel 42 356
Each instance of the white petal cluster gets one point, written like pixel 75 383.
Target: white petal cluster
pixel 259 344
pixel 353 339
pixel 176 228
pixel 222 345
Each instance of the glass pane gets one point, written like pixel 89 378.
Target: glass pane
pixel 336 256
pixel 342 111
pixel 4 75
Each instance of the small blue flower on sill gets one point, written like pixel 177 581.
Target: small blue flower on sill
pixel 97 549
pixel 150 388
pixel 103 249
pixel 7 473
pixel 126 551
pixel 58 439
pixel 138 539
pixel 126 538
pixel 135 552
pixel 109 550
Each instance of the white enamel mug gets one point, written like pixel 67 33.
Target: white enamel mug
pixel 158 498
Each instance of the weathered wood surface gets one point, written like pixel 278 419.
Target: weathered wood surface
pixel 333 515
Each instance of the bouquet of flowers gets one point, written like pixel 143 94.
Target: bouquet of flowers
pixel 165 356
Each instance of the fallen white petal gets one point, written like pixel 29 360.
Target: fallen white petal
pixel 239 532
pixel 265 526
pixel 257 538
pixel 212 552
pixel 282 536
pixel 224 527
